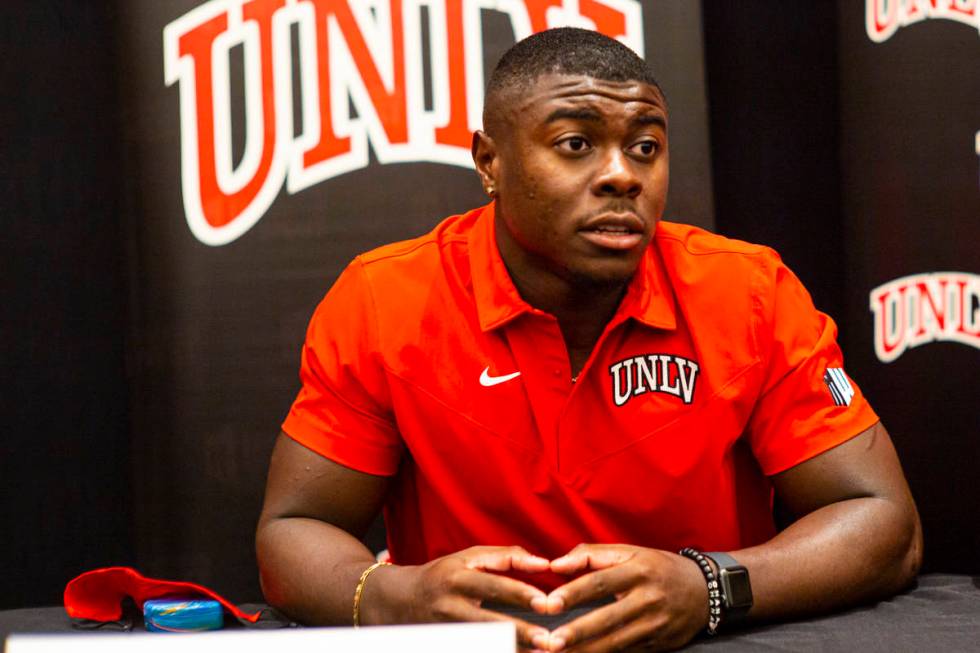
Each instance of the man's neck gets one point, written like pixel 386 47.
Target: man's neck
pixel 582 309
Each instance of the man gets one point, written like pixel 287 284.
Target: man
pixel 554 394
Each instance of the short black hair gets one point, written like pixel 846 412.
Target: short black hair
pixel 566 51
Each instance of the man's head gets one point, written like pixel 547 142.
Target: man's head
pixel 560 51
pixel 575 154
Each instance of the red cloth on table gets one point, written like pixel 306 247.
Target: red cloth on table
pixel 98 595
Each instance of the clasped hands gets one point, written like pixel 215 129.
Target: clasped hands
pixel 661 597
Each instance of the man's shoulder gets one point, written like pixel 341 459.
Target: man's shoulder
pixel 431 246
pixel 416 287
pixel 688 240
pixel 731 279
pixel 693 253
pixel 412 272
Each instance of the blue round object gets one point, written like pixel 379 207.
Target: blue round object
pixel 182 616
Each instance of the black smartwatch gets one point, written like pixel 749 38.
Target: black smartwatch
pixel 736 590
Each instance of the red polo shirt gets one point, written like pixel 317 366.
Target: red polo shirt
pixel 423 362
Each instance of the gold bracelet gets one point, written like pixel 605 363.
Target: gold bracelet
pixel 360 590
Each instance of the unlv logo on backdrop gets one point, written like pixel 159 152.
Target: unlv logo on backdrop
pixel 884 17
pixel 923 308
pixel 362 52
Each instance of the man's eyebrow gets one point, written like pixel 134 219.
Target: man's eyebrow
pixel 573 114
pixel 650 119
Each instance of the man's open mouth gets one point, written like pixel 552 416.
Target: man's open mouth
pixel 619 232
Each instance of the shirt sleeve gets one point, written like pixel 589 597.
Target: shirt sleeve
pixel 808 403
pixel 343 410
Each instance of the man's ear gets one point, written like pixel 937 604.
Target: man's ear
pixel 484 152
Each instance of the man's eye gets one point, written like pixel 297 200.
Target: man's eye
pixel 644 148
pixel 574 144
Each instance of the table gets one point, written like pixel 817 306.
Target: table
pixel 941 613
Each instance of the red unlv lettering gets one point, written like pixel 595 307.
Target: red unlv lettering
pixel 918 309
pixel 367 54
pixel 884 17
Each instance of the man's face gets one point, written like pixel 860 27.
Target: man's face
pixel 580 168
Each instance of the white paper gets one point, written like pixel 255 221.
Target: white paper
pixel 497 637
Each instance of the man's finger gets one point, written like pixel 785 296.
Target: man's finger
pixel 590 587
pixel 527 633
pixel 591 556
pixel 597 623
pixel 619 638
pixel 512 558
pixel 484 586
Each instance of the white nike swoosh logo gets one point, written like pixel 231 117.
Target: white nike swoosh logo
pixel 487 381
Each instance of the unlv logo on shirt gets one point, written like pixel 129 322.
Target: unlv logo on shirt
pixel 673 375
pixel 367 53
pixel 923 308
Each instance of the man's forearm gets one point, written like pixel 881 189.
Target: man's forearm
pixel 843 553
pixel 309 569
pixel 837 556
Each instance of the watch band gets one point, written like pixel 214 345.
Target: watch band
pixel 722 559
pixel 736 590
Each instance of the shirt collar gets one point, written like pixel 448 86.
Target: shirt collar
pixel 497 299
pixel 649 297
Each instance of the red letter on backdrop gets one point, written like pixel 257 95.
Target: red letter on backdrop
pixel 391 107
pixel 938 312
pixel 607 20
pixel 219 207
pixel 537 11
pixel 457 130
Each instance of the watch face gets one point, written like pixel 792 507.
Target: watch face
pixel 736 587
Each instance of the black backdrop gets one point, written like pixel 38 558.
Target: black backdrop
pixel 65 450
pixel 141 386
pixel 909 146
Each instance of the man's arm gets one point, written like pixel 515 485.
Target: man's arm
pixel 307 541
pixel 310 557
pixel 858 538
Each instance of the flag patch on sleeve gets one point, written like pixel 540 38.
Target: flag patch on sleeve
pixel 840 388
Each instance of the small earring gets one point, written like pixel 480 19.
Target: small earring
pixel 491 191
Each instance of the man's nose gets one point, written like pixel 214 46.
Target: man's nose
pixel 617 175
